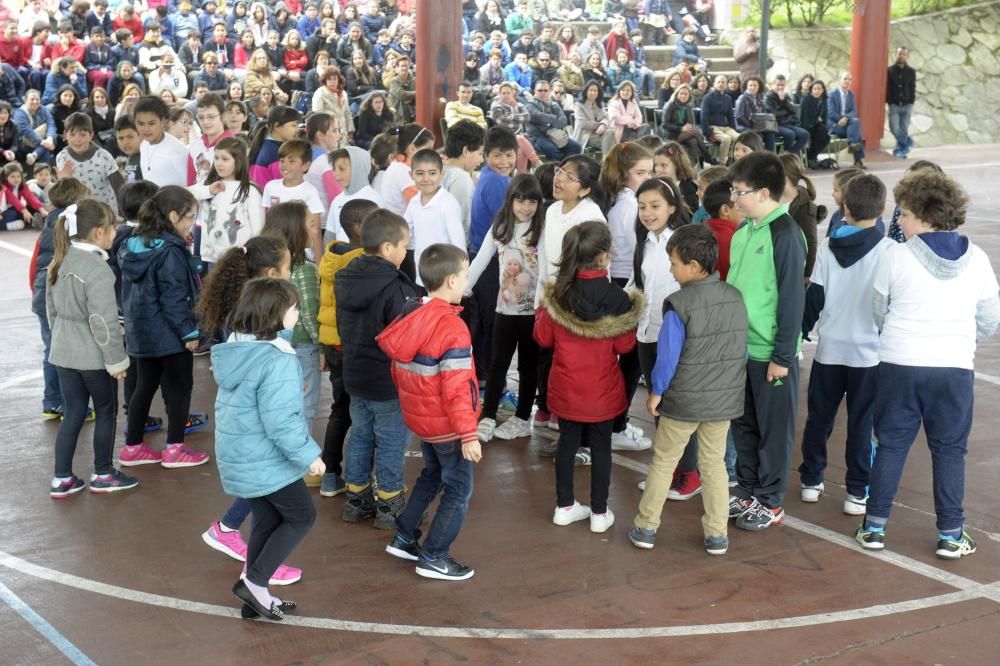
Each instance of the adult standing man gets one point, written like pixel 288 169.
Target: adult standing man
pixel 901 92
pixel 747 55
pixel 842 118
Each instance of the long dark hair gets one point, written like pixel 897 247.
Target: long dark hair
pixel 523 186
pixel 671 193
pixel 261 307
pixel 154 216
pixel 588 171
pixel 581 247
pixel 238 265
pixel 287 221
pixel 279 115
pixel 241 173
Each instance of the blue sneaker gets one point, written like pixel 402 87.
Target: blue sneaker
pixel 508 402
pixel 195 421
pixel 332 485
pixel 112 483
pixel 950 548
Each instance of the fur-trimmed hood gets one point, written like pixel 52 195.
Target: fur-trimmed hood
pixel 622 316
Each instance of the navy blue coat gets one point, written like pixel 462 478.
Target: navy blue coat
pixel 159 288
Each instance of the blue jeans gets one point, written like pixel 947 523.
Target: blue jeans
pixel 377 430
pixel 308 355
pixel 444 467
pixel 52 399
pixel 236 513
pixel 851 132
pixel 794 137
pixel 547 148
pixel 899 125
pixel 941 398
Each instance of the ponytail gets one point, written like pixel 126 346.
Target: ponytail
pixel 279 115
pixel 154 216
pixel 581 247
pixel 792 166
pixel 225 282
pixel 76 222
pixel 617 163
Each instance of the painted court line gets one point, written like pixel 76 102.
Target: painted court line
pixel 15 249
pixel 28 377
pixel 60 642
pixel 879 610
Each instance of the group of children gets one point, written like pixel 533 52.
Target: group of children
pixel 597 274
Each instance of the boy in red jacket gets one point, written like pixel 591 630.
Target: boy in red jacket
pixel 431 352
pixel 723 219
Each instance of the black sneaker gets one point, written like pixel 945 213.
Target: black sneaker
pixel 113 483
pixel 63 489
pixel 359 506
pixel 872 539
pixel 953 549
pixel 403 548
pixel 443 568
pixel 386 510
pixel 738 506
pixel 759 517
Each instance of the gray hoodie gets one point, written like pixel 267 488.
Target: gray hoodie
pixel 357 188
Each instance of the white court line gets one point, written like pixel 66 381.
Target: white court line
pixel 31 376
pixel 15 249
pixel 991 591
pixel 992 379
pixel 60 642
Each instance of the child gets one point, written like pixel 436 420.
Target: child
pixel 747 143
pixel 294 158
pixel 801 201
pixel 839 182
pixel 209 110
pixel 163 159
pixel 128 141
pixel 724 218
pixel 87 348
pixel 289 221
pixel 440 404
pixel 18 204
pixel 259 412
pixel 398 188
pixel 282 125
pixel 40 185
pixel 370 294
pixel 587 321
pixel 705 178
pixel 323 133
pixel 338 254
pixel 767 257
pixel 352 168
pixel 516 239
pixel 382 150
pixel 672 160
pixel 88 162
pixel 895 230
pixel 231 210
pixel 434 216
pixel 935 299
pixel 704 322
pixel 159 288
pixel 846 358
pixel 463 152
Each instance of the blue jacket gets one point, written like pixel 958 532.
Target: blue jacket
pixel 262 443
pixel 159 287
pixel 11 85
pixel 687 52
pixel 837 107
pixel 26 124
pixel 56 80
pixel 487 200
pixel 521 77
pixel 46 250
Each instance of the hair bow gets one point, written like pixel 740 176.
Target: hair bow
pixel 69 220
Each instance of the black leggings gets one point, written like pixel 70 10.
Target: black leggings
pixel 819 139
pixel 629 365
pixel 510 331
pixel 340 414
pixel 78 388
pixel 280 521
pixel 174 375
pixel 596 436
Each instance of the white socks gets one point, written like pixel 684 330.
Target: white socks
pixel 259 593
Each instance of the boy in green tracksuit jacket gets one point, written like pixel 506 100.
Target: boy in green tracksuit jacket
pixel 767 263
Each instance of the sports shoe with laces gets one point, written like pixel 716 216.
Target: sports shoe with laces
pixel 359 506
pixel 513 428
pixel 716 545
pixel 487 427
pixel 443 567
pixel 870 539
pixel 737 506
pixel 949 548
pixel 810 494
pixel 630 439
pixel 855 506
pixel 642 537
pixel 601 522
pixel 582 457
pixel 63 489
pixel 195 422
pixel 688 485
pixel 332 485
pixel 403 548
pixel 759 517
pixel 386 510
pixel 112 482
pixel 51 414
pixel 230 543
pixel 177 456
pixel 139 454
pixel 541 418
pixel 570 514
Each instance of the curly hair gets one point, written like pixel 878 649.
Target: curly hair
pixel 933 198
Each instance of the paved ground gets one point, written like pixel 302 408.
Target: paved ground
pixel 126 579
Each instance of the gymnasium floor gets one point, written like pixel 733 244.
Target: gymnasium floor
pixel 126 579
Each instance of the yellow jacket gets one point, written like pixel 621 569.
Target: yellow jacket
pixel 338 254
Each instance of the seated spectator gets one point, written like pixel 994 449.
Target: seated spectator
pixel 189 54
pixel 617 40
pixel 64 71
pixel 242 53
pixel 295 61
pixel 699 88
pixel 647 82
pixel 402 92
pixel 208 19
pixel 703 12
pixel 622 69
pixel 671 82
pixel 625 115
pixel 498 43
pixel 125 49
pixel 258 24
pixel 37 55
pixel 331 98
pixel 571 74
pixel 360 79
pixel 567 43
pixel 325 39
pixel 510 113
pixel 374 118
pixel 842 118
pixel 222 47
pixel 786 113
pixel 152 49
pixel 718 120
pixel 492 74
pixel 31 15
pixel 98 60
pixel 476 49
pixel 594 70
pixel 591 127
pixel 310 21
pixel 547 125
pixel 812 118
pixel 98 17
pixel 518 20
pixel 491 17
pixel 168 76
pixel 10 146
pixel 212 77
pixel 37 128
pixel 560 97
pixel 750 104
pixel 804 88
pixel 372 22
pixel 12 47
pixel 687 51
pixel 519 72
pixel 353 41
pixel 405 46
pixel 563 10
pixel 124 74
pixel 734 89
pixel 130 95
pixel 547 44
pixel 238 20
pixel 592 44
pixel 463 108
pixel 525 45
pixel 237 118
pixel 275 54
pixel 679 125
pixel 102 117
pixel 68 44
pixel 66 102
pixel 320 65
pixel 260 76
pixel 545 68
pixel 11 84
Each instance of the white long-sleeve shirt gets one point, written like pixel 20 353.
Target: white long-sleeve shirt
pixel 519 265
pixel 557 224
pixel 437 221
pixel 657 283
pixel 621 221
pixel 226 223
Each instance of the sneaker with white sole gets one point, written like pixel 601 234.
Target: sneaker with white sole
pixel 487 427
pixel 601 522
pixel 687 485
pixel 111 482
pixel 855 506
pixel 871 538
pixel 63 489
pixel 716 545
pixel 443 568
pixel 583 457
pixel 759 517
pixel 403 548
pixel 642 537
pixel 570 514
pixel 139 454
pixel 178 455
pixel 630 439
pixel 286 575
pixel 949 548
pixel 230 543
pixel 810 494
pixel 738 506
pixel 513 428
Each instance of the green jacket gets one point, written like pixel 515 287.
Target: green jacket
pixel 767 262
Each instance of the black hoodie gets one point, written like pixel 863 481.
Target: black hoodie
pixel 370 293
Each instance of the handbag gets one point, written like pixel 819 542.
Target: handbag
pixel 764 122
pixel 557 136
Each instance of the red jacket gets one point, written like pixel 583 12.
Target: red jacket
pixel 23 197
pixel 585 382
pixel 28 45
pixel 75 49
pixel 431 353
pixel 296 61
pixel 12 52
pixel 723 231
pixel 134 26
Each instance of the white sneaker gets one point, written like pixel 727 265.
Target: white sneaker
pixel 570 514
pixel 630 439
pixel 811 494
pixel 600 522
pixel 15 225
pixel 855 506
pixel 486 429
pixel 642 485
pixel 512 428
pixel 553 423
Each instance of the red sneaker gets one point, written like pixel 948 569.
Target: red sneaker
pixel 138 454
pixel 181 456
pixel 687 485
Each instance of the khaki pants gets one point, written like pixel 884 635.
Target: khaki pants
pixel 726 136
pixel 671 438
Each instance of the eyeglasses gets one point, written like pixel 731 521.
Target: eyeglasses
pixel 562 173
pixel 740 194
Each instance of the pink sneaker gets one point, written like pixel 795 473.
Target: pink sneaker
pixel 541 418
pixel 138 454
pixel 181 456
pixel 285 575
pixel 230 543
